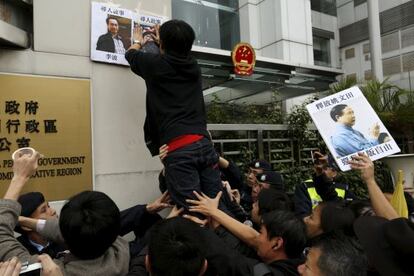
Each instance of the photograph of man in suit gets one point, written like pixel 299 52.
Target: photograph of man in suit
pixel 346 140
pixel 111 41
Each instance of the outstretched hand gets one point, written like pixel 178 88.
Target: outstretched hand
pixel 159 204
pixel 363 163
pixel 175 212
pixel 137 34
pixel 200 222
pixel 10 268
pixel 24 166
pixel 204 205
pixel 49 267
pixel 320 162
pixel 163 151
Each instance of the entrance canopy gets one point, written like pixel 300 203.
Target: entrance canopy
pixel 270 75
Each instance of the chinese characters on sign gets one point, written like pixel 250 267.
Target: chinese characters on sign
pixel 53 117
pixel 111 32
pixel 26 119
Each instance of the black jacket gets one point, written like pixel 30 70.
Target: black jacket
pixel 106 43
pixel 175 103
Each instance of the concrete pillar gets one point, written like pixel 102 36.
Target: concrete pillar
pixel 375 39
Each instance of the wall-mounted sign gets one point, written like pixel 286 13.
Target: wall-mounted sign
pixel 111 31
pixel 53 116
pixel 244 59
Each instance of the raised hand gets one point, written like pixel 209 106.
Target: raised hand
pixel 159 204
pixel 175 212
pixel 49 267
pixel 204 204
pixel 10 268
pixel 363 163
pixel 163 151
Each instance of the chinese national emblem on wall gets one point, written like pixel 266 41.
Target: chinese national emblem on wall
pixel 244 59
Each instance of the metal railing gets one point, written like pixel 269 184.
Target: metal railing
pixel 269 142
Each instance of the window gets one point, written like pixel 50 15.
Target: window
pixel 349 53
pixel 407 37
pixel 359 2
pixel 351 76
pixel 324 6
pixel 368 75
pixel 390 42
pixel 19 14
pixel 215 22
pixel 408 62
pixel 365 48
pixel 391 66
pixel 321 51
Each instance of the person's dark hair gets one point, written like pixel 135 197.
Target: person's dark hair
pixel 90 223
pixel 177 37
pixel 270 200
pixel 286 225
pixel 175 248
pixel 382 136
pixel 337 111
pixel 111 17
pixel 341 255
pixel 361 208
pixel 336 215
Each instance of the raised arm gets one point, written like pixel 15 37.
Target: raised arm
pixel 208 207
pixel 380 204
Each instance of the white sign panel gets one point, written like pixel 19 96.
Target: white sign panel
pixel 112 28
pixel 348 125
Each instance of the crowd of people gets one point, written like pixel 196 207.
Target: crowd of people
pixel 220 222
pixel 273 236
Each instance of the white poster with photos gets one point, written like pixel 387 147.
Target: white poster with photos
pixel 110 33
pixel 112 28
pixel 348 125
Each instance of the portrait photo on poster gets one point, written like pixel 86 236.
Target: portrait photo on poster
pixel 111 32
pixel 348 125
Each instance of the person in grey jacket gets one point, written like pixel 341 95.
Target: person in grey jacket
pixel 89 222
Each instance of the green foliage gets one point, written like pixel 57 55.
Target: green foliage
pixel 345 83
pixel 229 113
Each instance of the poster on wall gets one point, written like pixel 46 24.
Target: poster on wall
pixel 53 116
pixel 112 28
pixel 348 125
pixel 111 32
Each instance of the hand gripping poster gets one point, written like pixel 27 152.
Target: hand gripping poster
pixel 349 125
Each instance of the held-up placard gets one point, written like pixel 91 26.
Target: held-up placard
pixel 348 125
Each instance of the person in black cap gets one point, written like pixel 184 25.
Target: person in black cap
pixel 35 206
pixel 267 180
pixel 256 167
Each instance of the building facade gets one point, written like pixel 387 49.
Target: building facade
pixel 297 49
pixel 397 40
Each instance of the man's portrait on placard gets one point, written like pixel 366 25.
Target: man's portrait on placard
pixel 111 33
pixel 346 139
pixel 117 39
